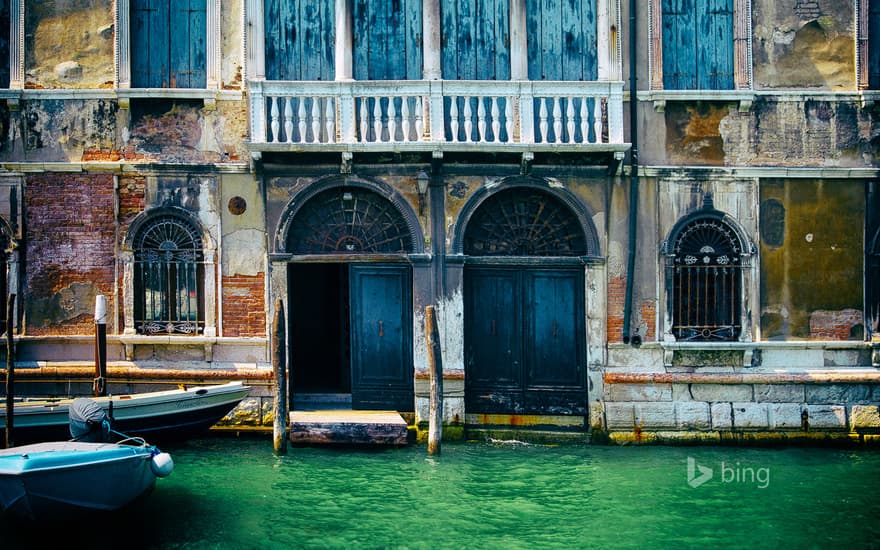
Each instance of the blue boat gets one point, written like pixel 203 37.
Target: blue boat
pixel 61 479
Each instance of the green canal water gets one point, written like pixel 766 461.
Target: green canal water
pixel 234 493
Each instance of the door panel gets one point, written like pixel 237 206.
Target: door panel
pixel 554 356
pixel 493 315
pixel 381 337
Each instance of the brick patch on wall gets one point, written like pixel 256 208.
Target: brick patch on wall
pixel 616 298
pixel 834 325
pixel 244 308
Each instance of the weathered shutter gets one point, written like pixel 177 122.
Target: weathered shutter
pixel 4 44
pixel 168 43
pixel 874 44
pixel 188 53
pixel 149 43
pixel 299 40
pixel 475 39
pixel 387 39
pixel 561 39
pixel 679 42
pixel 714 43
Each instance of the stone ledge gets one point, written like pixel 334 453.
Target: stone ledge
pixel 860 375
pixel 763 438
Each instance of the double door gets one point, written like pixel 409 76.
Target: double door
pixel 525 341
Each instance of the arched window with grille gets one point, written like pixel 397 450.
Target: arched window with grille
pixel 169 277
pixel 706 280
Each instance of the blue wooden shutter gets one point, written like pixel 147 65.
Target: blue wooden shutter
pixel 874 45
pixel 387 39
pixel 188 44
pixel 561 39
pixel 168 43
pixel 300 39
pixel 714 41
pixel 4 45
pixel 679 43
pixel 475 39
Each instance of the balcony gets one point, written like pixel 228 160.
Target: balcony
pixel 437 116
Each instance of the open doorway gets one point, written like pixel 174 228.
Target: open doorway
pixel 320 351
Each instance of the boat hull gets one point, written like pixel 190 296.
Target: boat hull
pixel 156 416
pixel 59 480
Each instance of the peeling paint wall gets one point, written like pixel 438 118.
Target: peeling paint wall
pixel 70 250
pixel 811 259
pixel 798 44
pixel 69 44
pixel 231 32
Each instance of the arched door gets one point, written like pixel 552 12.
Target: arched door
pixel 351 314
pixel 525 333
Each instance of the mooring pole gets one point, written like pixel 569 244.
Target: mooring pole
pixel 280 366
pixel 99 386
pixel 435 368
pixel 10 372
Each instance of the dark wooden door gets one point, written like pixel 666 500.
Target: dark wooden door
pixel 381 337
pixel 525 341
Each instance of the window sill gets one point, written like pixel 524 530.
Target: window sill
pixel 124 95
pixel 745 98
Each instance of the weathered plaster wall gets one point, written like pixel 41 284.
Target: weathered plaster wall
pixel 811 259
pixel 803 44
pixel 70 236
pixel 69 44
pixel 231 68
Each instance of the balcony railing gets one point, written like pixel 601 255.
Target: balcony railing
pixel 432 115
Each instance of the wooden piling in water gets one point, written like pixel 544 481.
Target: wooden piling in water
pixel 280 366
pixel 10 373
pixel 435 368
pixel 99 386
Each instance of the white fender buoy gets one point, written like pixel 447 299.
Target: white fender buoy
pixel 162 464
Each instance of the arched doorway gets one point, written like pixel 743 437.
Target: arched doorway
pixel 350 295
pixel 525 335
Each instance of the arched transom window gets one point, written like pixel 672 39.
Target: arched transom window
pixel 349 220
pixel 169 277
pixel 706 282
pixel 524 222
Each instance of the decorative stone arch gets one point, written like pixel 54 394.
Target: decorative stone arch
pixel 208 259
pixel 396 212
pixel 562 200
pixel 707 250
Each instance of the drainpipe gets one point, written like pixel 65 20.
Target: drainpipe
pixel 633 177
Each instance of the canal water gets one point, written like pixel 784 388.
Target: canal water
pixel 234 493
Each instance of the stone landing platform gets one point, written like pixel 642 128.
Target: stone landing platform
pixel 347 427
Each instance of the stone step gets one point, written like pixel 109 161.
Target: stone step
pixel 347 427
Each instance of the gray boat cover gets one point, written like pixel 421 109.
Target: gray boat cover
pixel 88 421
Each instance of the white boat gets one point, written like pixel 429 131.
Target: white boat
pixel 155 416
pixel 57 480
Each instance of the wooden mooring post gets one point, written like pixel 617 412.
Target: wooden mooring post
pixel 10 372
pixel 99 385
pixel 280 365
pixel 435 368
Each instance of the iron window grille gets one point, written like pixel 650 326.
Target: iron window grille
pixel 169 274
pixel 524 222
pixel 706 282
pixel 349 220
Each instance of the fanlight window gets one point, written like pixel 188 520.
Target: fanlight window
pixel 706 282
pixel 349 220
pixel 524 222
pixel 169 277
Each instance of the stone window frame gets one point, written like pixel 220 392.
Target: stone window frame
pixel 863 43
pixel 742 50
pixel 16 45
pixel 127 258
pixel 749 279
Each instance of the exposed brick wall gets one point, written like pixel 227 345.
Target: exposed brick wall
pixel 70 252
pixel 132 196
pixel 616 298
pixel 244 307
pixel 110 155
pixel 648 312
pixel 835 325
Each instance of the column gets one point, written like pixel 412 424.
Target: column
pixel 344 40
pixel 432 69
pixel 254 41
